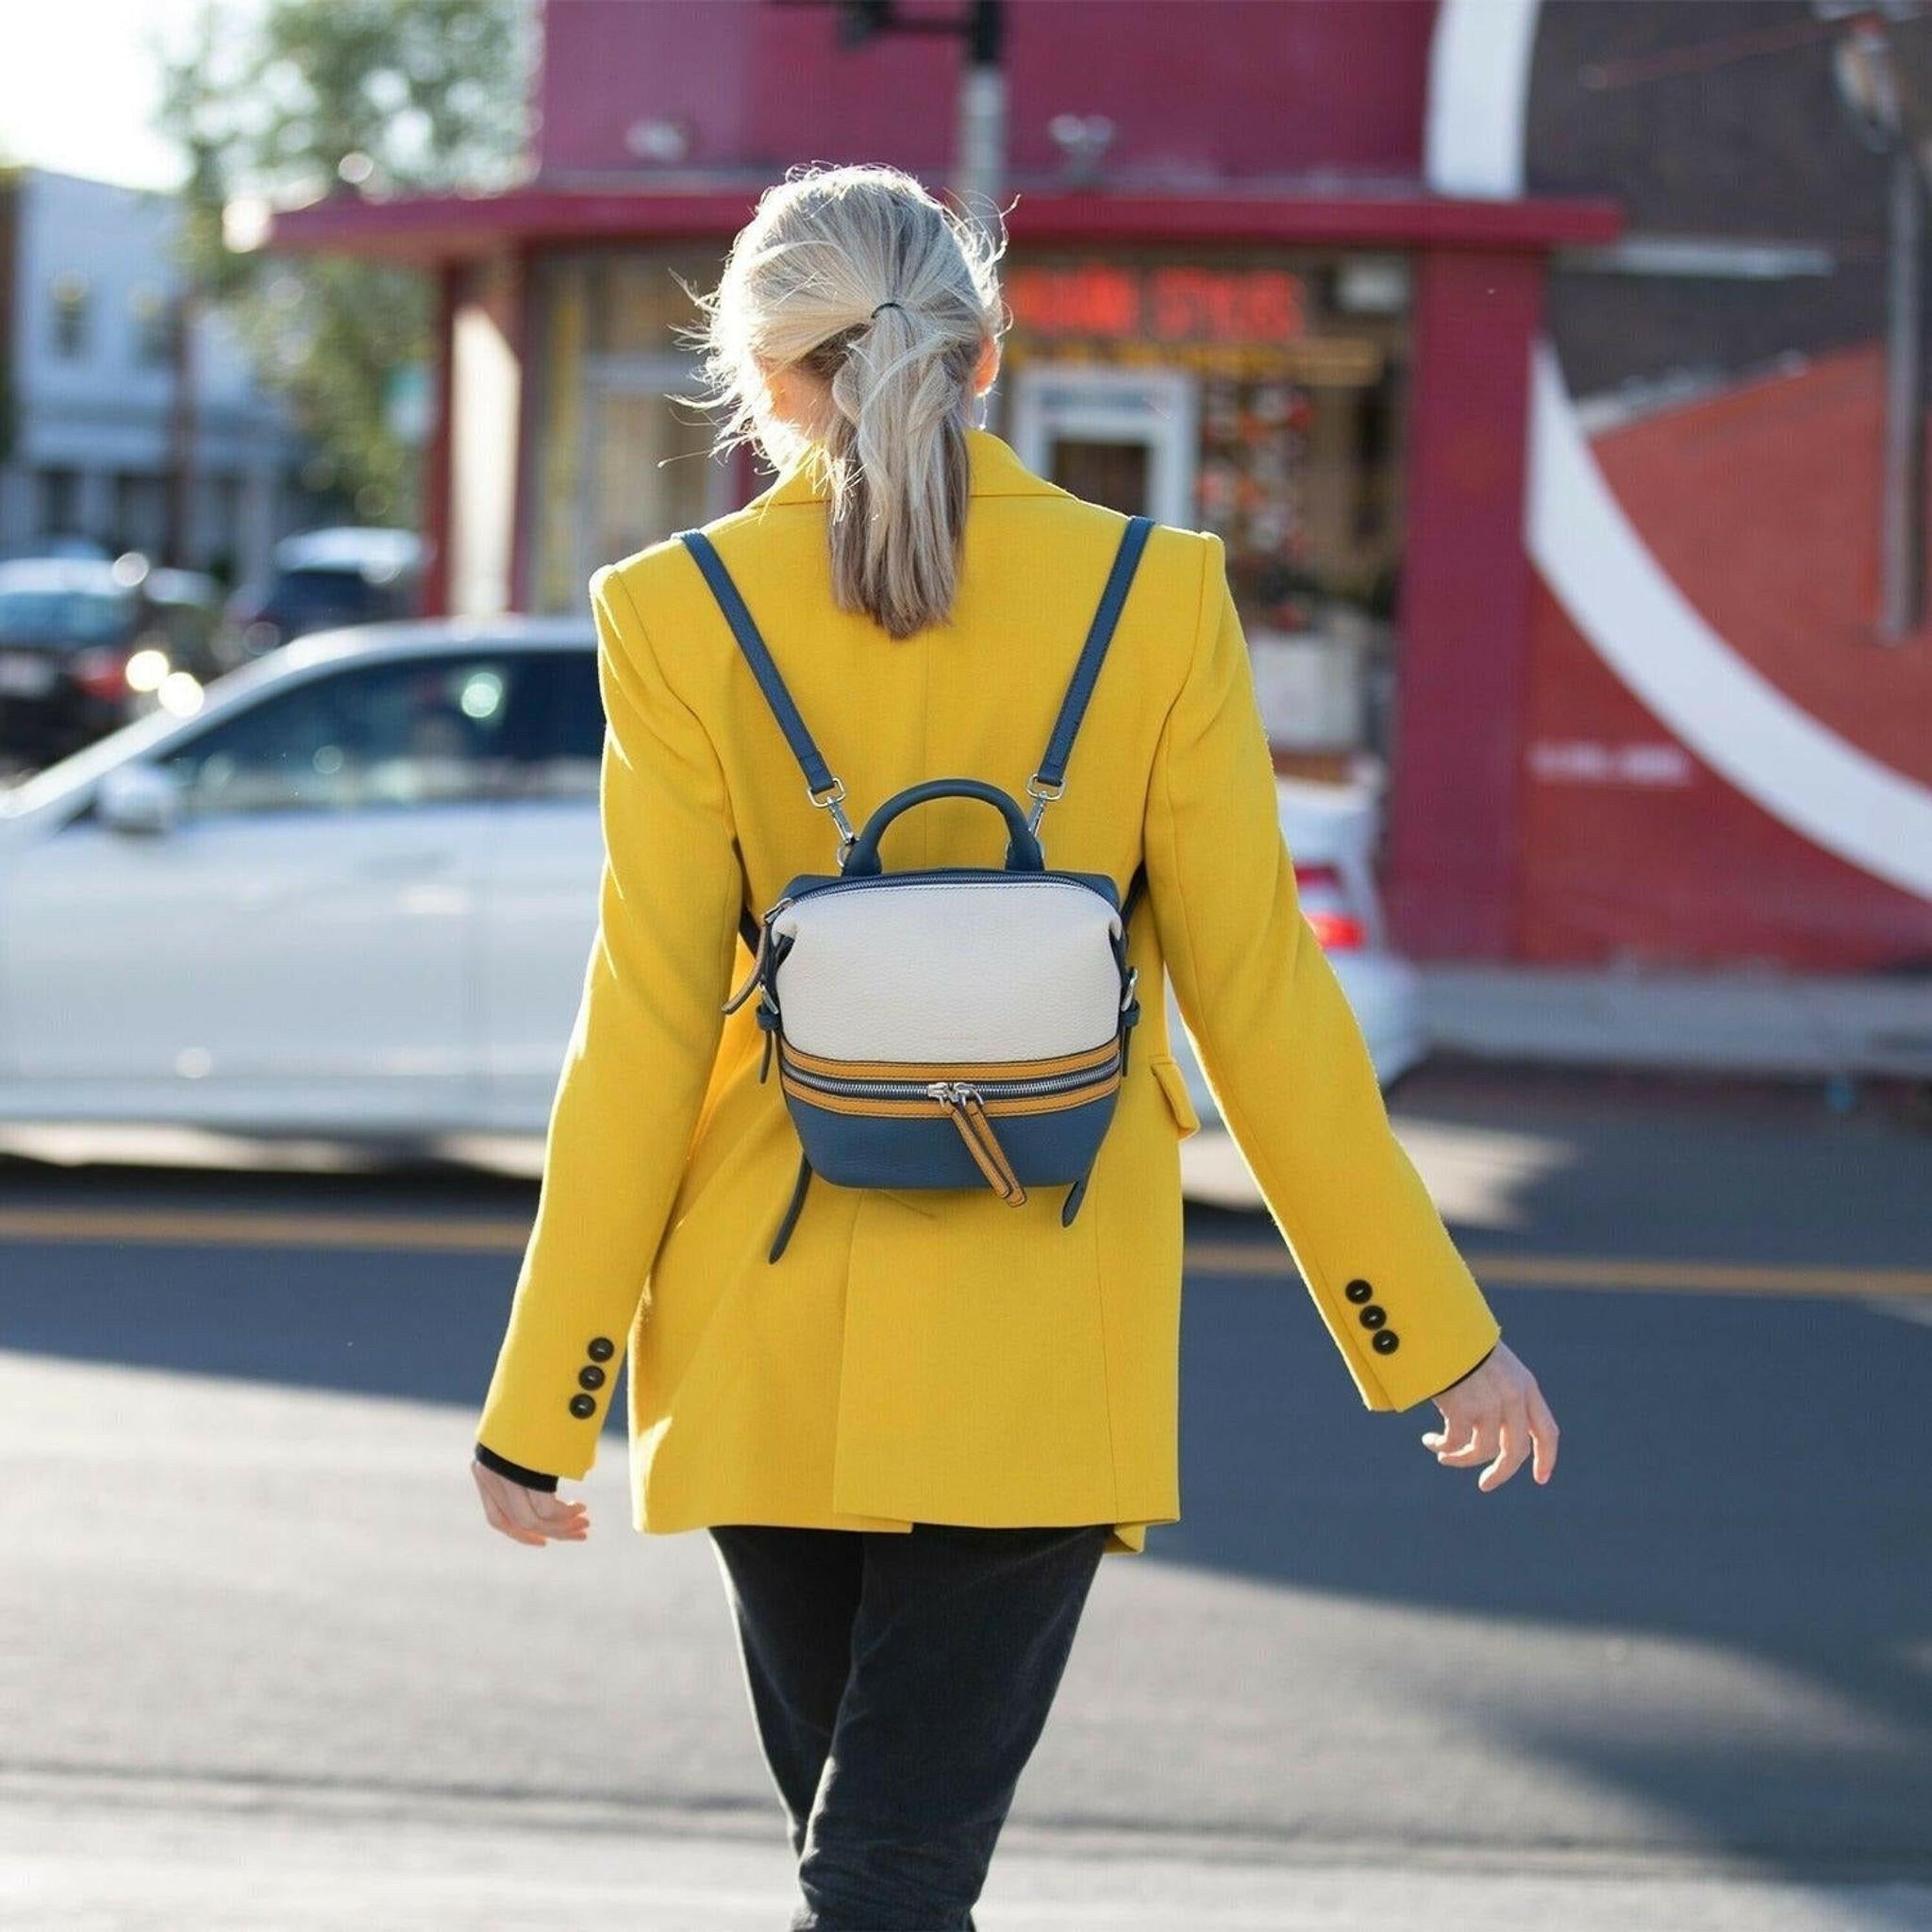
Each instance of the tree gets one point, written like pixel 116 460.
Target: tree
pixel 296 100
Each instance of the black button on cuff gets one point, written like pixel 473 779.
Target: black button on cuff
pixel 1358 1290
pixel 601 1348
pixel 1372 1316
pixel 589 1379
pixel 583 1405
pixel 1386 1342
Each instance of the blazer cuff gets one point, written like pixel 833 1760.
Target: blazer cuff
pixel 1470 1370
pixel 531 1479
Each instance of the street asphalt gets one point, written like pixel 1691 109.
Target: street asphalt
pixel 262 1665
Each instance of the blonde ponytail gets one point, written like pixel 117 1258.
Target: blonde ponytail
pixel 883 301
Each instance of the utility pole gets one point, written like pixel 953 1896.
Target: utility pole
pixel 1904 606
pixel 178 525
pixel 1895 121
pixel 980 163
pixel 1886 102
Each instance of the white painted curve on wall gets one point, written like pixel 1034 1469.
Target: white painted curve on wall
pixel 1645 629
pixel 1472 137
pixel 1611 587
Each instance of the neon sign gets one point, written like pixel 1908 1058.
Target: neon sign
pixel 1176 304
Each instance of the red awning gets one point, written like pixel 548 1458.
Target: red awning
pixel 435 228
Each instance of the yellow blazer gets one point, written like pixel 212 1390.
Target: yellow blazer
pixel 936 1354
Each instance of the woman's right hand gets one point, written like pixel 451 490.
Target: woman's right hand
pixel 526 1515
pixel 1496 1412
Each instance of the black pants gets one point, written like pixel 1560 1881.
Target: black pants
pixel 900 1682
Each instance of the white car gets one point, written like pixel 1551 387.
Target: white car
pixel 1331 831
pixel 354 894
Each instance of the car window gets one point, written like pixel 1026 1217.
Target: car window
pixel 66 617
pixel 418 731
pixel 558 732
pixel 316 599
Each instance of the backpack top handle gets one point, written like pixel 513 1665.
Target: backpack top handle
pixel 1023 848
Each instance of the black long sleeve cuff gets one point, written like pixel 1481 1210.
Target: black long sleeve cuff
pixel 531 1479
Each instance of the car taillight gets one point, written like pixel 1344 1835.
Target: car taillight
pixel 101 672
pixel 1333 919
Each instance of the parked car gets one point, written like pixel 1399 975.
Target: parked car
pixel 322 580
pixel 1331 831
pixel 86 644
pixel 70 544
pixel 353 894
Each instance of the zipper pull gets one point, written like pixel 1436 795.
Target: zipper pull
pixel 758 959
pixel 758 968
pixel 966 1108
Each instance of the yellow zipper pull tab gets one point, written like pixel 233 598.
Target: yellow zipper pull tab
pixel 1011 1189
pixel 756 972
pixel 967 1112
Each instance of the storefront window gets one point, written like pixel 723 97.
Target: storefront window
pixel 1256 395
pixel 620 460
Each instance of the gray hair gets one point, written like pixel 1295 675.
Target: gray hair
pixel 883 299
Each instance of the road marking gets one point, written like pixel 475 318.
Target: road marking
pixel 1238 1261
pixel 1244 1258
pixel 247 1228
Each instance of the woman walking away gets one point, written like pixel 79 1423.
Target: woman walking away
pixel 879 1190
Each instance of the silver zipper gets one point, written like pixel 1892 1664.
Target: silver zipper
pixel 939 880
pixel 955 1091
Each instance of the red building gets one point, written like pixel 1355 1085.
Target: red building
pixel 1248 312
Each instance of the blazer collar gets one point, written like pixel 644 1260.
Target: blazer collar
pixel 995 466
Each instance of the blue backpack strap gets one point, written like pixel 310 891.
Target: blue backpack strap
pixel 793 1207
pixel 1049 781
pixel 826 789
pixel 818 774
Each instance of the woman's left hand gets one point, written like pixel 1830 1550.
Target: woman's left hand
pixel 526 1515
pixel 1496 1414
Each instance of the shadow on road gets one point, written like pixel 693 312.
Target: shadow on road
pixel 1743 1478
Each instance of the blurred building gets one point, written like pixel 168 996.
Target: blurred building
pixel 1301 300
pixel 108 413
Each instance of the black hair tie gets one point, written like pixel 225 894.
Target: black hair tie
pixel 899 305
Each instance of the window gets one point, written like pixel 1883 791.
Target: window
pixel 59 502
pixel 140 510
pixel 419 731
pixel 74 618
pixel 154 328
pixel 315 598
pixel 560 727
pixel 73 302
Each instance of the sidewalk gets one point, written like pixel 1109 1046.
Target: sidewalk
pixel 156 1861
pixel 1762 1023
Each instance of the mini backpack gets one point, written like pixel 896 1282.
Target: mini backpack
pixel 953 1026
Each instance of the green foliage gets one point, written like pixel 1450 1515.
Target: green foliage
pixel 302 99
